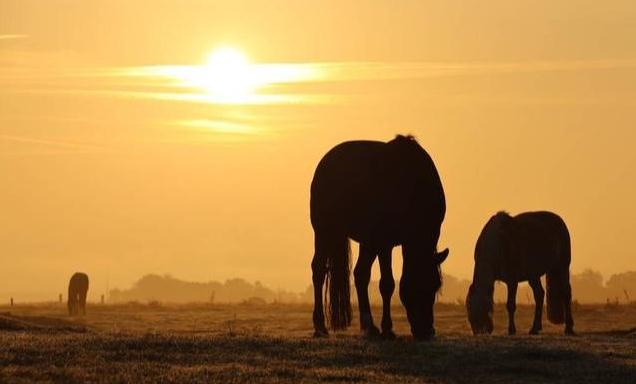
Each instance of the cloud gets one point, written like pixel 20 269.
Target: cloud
pixel 352 71
pixel 170 76
pixel 166 82
pixel 67 145
pixel 218 126
pixel 13 36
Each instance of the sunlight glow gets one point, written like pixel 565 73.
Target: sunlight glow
pixel 218 126
pixel 228 77
pixel 227 74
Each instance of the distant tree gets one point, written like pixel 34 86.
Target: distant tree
pixel 587 286
pixel 623 284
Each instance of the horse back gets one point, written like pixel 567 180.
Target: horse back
pixel 542 242
pixel 372 189
pixel 542 233
pixel 79 282
pixel 528 245
pixel 345 181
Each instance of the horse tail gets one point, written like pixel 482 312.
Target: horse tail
pixel 555 296
pixel 338 290
pixel 558 285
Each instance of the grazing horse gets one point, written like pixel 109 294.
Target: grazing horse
pixel 380 195
pixel 77 289
pixel 516 249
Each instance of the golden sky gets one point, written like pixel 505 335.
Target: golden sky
pixel 181 137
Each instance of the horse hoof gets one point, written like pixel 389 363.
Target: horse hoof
pixel 321 334
pixel 533 331
pixel 570 332
pixel 425 336
pixel 371 333
pixel 388 335
pixel 512 332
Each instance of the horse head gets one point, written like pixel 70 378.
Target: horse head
pixel 492 245
pixel 479 304
pixel 421 279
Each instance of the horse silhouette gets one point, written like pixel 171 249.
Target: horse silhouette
pixel 380 195
pixel 516 249
pixel 77 289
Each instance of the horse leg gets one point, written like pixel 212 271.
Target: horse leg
pixel 539 293
pixel 511 306
pixel 387 286
pixel 362 276
pixel 319 271
pixel 82 304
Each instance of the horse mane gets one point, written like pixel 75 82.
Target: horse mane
pixel 490 236
pixel 409 141
pixel 503 215
pixel 405 137
pixel 405 140
pixel 501 219
pixel 408 149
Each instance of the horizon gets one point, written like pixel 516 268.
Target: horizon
pixel 584 281
pixel 187 146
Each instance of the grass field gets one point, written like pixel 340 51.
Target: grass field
pixel 272 344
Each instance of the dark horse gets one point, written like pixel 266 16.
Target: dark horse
pixel 77 289
pixel 522 248
pixel 380 195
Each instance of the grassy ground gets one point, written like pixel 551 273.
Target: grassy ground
pixel 271 343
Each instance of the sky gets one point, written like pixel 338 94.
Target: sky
pixel 181 137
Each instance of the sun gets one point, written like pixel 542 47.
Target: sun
pixel 228 75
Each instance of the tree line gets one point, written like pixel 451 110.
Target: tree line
pixel 588 287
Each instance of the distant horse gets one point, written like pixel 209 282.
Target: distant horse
pixel 380 195
pixel 516 249
pixel 77 289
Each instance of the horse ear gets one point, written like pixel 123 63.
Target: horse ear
pixel 441 256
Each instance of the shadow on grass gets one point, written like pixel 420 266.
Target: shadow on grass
pixel 615 332
pixel 249 358
pixel 9 322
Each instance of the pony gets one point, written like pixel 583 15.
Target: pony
pixel 517 249
pixel 381 195
pixel 77 289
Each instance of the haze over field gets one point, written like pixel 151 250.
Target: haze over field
pixel 588 287
pixel 182 138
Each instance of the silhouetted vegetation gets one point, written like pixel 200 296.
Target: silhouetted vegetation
pixel 587 287
pixel 169 289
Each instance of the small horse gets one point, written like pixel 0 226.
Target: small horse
pixel 380 195
pixel 77 289
pixel 516 249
